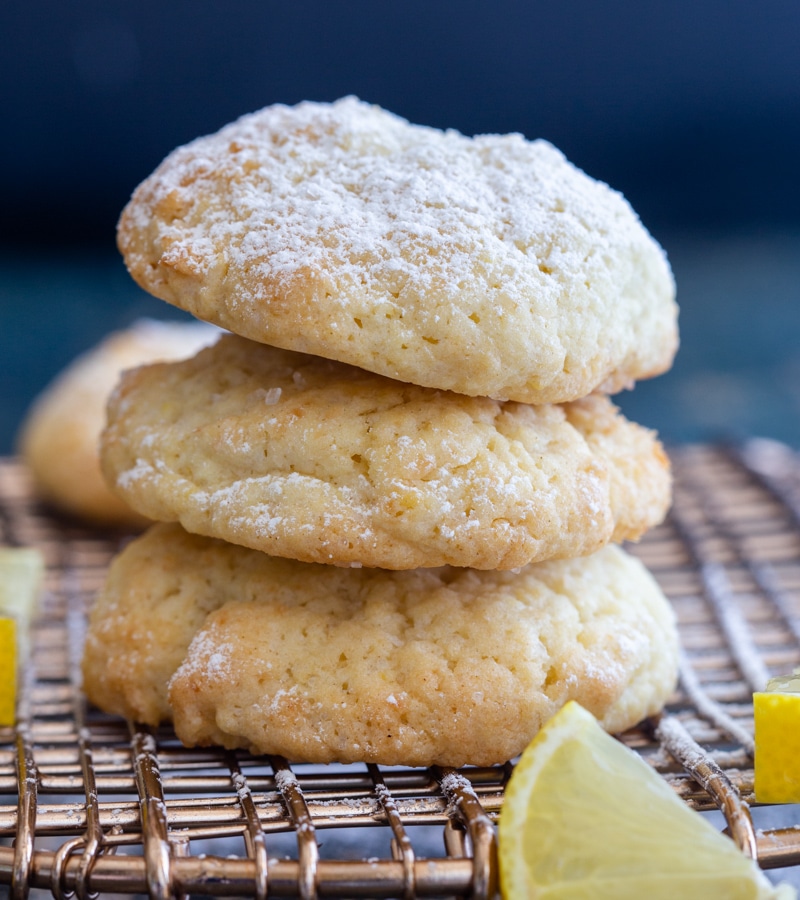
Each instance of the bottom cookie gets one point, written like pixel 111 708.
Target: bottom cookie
pixel 442 666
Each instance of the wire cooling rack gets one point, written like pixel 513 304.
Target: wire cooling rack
pixel 90 804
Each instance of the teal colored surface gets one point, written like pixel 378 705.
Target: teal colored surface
pixel 737 372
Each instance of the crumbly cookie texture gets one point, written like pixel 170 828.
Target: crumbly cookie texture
pixel 319 664
pixel 315 460
pixel 489 266
pixel 58 439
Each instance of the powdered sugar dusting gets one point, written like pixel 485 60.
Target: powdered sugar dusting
pixel 209 657
pixel 270 397
pixel 140 471
pixel 377 222
pixel 411 200
pixel 285 779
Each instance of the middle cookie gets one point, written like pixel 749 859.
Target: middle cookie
pixel 318 461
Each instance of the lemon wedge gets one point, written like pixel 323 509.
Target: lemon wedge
pixel 584 817
pixel 776 712
pixel 21 571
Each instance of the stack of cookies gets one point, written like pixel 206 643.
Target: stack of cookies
pixel 393 494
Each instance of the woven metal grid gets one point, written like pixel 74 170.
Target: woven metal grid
pixel 91 804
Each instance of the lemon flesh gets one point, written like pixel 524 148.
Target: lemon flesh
pixel 584 817
pixel 776 712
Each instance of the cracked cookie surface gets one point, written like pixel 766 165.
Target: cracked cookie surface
pixel 316 460
pixel 439 666
pixel 489 266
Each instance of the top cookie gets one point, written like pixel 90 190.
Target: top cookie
pixel 489 266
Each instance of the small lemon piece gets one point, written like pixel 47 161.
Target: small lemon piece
pixel 21 571
pixel 777 736
pixel 8 670
pixel 584 817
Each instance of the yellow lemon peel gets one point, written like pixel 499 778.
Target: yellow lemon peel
pixel 8 670
pixel 776 712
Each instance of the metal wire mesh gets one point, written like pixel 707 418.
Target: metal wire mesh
pixel 91 804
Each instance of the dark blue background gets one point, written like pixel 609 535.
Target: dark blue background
pixel 692 109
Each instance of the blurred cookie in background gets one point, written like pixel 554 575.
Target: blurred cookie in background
pixel 58 439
